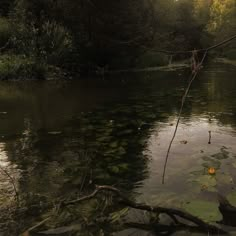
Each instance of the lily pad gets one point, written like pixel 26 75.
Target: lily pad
pixel 213 163
pixel 206 182
pixel 232 198
pixel 205 210
pixel 221 156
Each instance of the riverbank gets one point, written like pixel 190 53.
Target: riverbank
pixel 19 67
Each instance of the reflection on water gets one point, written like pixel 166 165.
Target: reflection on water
pixel 3 156
pixel 188 154
pixel 59 137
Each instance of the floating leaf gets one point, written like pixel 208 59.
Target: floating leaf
pixel 212 163
pixel 183 142
pixel 232 198
pixel 205 210
pixel 206 182
pixel 222 155
pixel 224 179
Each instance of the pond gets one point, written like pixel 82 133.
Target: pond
pixel 60 138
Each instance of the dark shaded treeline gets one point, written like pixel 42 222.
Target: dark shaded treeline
pixel 63 140
pixel 91 35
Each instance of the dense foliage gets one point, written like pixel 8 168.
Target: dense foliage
pixel 89 35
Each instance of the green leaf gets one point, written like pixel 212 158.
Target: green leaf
pixel 205 210
pixel 232 198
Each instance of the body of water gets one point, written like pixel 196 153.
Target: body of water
pixel 60 138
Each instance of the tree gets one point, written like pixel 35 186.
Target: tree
pixel 222 18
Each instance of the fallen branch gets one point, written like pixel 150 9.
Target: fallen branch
pixel 172 67
pixel 38 225
pixel 200 225
pixel 169 211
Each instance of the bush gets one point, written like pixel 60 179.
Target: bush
pixel 51 43
pixel 18 67
pixel 56 42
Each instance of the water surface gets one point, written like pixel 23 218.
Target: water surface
pixel 59 137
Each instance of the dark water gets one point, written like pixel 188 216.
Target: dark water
pixel 60 138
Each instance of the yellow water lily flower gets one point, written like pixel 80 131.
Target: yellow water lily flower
pixel 211 170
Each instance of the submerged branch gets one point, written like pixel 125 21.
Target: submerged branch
pixel 200 225
pixel 140 206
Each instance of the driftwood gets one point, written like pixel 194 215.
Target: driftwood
pixel 172 67
pixel 175 214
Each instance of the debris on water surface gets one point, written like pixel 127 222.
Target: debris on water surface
pixel 183 142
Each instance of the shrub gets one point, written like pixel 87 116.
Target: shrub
pixel 56 42
pixel 51 43
pixel 19 67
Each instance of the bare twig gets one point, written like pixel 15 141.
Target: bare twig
pixel 193 76
pixel 39 224
pixel 209 142
pixel 198 50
